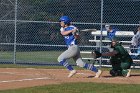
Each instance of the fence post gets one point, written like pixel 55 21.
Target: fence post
pixel 15 21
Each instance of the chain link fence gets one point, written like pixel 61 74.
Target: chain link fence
pixel 29 29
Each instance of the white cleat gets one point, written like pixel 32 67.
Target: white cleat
pixel 98 74
pixel 128 73
pixel 73 72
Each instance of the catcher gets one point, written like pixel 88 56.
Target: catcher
pixel 120 59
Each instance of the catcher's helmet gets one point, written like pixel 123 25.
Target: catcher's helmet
pixel 66 19
pixel 115 39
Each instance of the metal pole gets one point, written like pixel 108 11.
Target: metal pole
pixel 15 22
pixel 102 1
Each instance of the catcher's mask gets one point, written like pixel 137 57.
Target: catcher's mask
pixel 114 42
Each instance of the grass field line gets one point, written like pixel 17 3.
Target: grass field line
pixel 26 79
pixel 18 73
pixel 7 73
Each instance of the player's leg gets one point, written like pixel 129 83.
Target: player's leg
pixel 62 59
pixel 126 69
pixel 91 67
pixel 116 68
pixel 115 73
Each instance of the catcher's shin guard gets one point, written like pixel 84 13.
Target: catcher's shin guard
pixel 126 72
pixel 115 73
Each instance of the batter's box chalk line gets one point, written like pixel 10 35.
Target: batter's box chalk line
pixel 28 79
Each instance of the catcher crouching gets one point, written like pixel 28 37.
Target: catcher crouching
pixel 120 59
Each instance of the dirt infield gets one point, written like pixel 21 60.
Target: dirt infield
pixel 12 78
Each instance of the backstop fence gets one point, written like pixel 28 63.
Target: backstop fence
pixel 30 32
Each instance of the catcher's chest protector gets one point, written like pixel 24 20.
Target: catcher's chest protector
pixel 122 55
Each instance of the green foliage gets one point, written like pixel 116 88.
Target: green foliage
pixel 40 10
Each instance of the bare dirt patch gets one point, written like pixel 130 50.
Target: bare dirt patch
pixel 12 78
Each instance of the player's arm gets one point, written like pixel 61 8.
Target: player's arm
pixel 65 33
pixel 97 54
pixel 113 53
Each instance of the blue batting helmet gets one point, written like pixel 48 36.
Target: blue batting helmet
pixel 66 19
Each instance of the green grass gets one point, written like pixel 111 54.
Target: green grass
pixel 79 88
pixel 34 56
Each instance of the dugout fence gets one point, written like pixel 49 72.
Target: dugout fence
pixel 29 29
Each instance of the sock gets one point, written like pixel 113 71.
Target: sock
pixel 65 64
pixel 91 67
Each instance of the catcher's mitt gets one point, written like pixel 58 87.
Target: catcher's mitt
pixel 96 54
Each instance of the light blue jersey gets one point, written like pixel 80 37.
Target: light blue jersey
pixel 70 39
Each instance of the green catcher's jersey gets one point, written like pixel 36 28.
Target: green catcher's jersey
pixel 122 55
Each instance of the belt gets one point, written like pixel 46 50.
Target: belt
pixel 71 44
